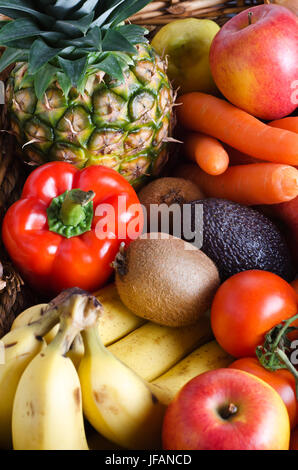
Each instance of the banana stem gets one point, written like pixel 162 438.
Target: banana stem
pixel 79 310
pixel 51 314
pixel 42 326
pixel 64 338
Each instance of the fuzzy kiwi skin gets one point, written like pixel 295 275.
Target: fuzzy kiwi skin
pixel 162 281
pixel 167 191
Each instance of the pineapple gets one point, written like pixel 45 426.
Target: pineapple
pixel 87 88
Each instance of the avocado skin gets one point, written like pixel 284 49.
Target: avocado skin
pixel 238 238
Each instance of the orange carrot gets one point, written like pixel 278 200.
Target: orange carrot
pixel 220 119
pixel 257 183
pixel 288 123
pixel 238 158
pixel 207 152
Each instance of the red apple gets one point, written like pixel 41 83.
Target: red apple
pixel 226 409
pixel 255 65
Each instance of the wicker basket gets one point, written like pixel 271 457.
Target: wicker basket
pixel 15 296
pixel 160 12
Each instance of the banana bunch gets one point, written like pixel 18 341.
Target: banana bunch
pixel 47 401
pixel 147 348
pixel 47 410
pixel 20 347
pixel 72 358
pixel 115 321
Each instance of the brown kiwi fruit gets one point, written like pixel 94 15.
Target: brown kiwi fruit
pixel 168 191
pixel 167 281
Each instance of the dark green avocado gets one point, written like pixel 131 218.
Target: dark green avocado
pixel 238 238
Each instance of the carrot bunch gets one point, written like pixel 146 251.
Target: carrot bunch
pixel 261 156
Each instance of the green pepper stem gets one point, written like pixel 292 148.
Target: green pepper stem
pixel 72 212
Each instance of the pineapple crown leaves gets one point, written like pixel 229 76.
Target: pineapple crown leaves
pixel 69 39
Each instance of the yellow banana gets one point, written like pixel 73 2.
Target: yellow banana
pixel 76 351
pixel 20 347
pixel 207 357
pixel 115 322
pixel 116 401
pixel 35 313
pixel 31 315
pixel 153 349
pixel 26 347
pixel 47 411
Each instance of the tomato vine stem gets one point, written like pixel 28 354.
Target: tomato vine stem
pixel 272 354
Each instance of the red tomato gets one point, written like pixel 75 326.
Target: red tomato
pixel 294 334
pixel 281 380
pixel 247 306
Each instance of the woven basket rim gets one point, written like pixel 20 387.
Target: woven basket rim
pixel 160 12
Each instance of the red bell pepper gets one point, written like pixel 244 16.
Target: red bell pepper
pixel 53 234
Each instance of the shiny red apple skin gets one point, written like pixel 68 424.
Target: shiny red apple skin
pixel 193 421
pixel 256 66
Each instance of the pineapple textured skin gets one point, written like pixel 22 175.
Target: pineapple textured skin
pixel 122 125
